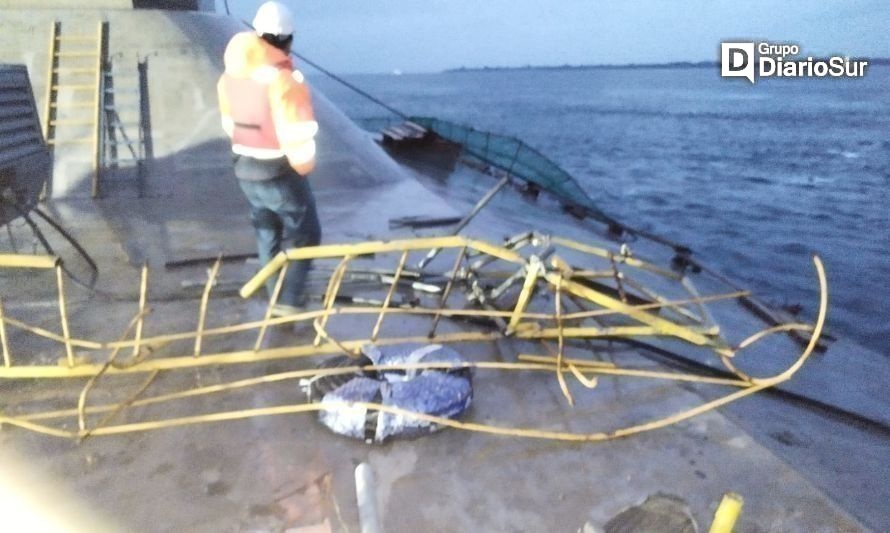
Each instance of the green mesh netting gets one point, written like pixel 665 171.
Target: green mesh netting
pixel 508 154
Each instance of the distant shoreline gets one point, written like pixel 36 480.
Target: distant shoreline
pixel 624 66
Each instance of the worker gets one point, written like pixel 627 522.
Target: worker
pixel 267 112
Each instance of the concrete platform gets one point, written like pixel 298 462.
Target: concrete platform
pixel 275 473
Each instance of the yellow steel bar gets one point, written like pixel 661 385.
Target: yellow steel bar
pixel 7 358
pixel 592 273
pixel 239 357
pixel 38 428
pixel 389 294
pixel 775 329
pixel 309 315
pixel 330 297
pixel 664 326
pixel 205 298
pixel 528 287
pixel 286 352
pixel 90 345
pixel 330 251
pixel 274 378
pixel 28 261
pixel 604 253
pixel 82 399
pixel 485 428
pixel 259 279
pixel 560 346
pixel 657 305
pixel 588 332
pixel 122 405
pixel 284 376
pixel 727 513
pixel 447 292
pixel 665 302
pixel 583 363
pixel 588 383
pixel 587 366
pixel 143 292
pixel 469 426
pixel 69 352
pixel 500 252
pixel 276 291
pixel 99 104
pixel 235 357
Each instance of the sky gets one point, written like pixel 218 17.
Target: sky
pixel 352 36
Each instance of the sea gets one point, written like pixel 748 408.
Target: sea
pixel 754 178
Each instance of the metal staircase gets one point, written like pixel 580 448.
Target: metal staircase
pixel 124 134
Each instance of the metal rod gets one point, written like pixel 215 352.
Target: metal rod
pixel 388 299
pixel 528 287
pixel 64 316
pixel 454 270
pixel 276 291
pixel 560 344
pixel 28 261
pixel 617 277
pixel 604 253
pixel 202 314
pixel 350 86
pixel 97 113
pixel 467 219
pixel 82 399
pixel 143 291
pixel 330 297
pixel 121 406
pixel 7 358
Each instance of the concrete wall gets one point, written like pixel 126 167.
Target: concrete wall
pixel 183 56
pixel 182 53
pixel 65 4
pixel 192 5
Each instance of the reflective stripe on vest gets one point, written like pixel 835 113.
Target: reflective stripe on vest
pixel 254 126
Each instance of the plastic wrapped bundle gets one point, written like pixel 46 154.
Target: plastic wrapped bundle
pixel 443 393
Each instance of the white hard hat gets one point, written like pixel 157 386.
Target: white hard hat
pixel 273 18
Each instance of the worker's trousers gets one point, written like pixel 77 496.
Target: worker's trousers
pixel 284 216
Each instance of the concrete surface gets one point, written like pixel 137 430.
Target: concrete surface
pixel 275 473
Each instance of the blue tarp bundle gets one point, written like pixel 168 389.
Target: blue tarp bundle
pixel 442 393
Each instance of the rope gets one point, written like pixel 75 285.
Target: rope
pixel 338 79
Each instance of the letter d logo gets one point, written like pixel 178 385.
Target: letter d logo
pixel 737 60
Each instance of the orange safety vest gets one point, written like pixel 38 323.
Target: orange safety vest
pixel 265 106
pixel 251 114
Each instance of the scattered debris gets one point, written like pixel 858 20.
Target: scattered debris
pixel 660 513
pixel 519 291
pixel 438 392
